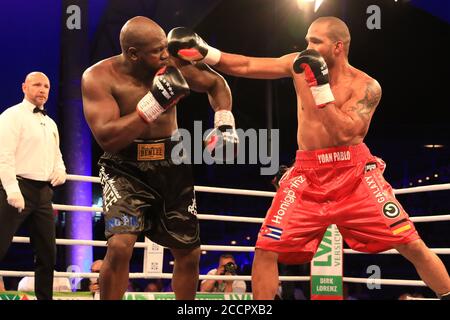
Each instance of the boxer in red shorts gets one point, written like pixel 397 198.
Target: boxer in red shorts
pixel 342 186
pixel 335 179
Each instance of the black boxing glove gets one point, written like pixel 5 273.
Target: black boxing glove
pixel 168 87
pixel 316 74
pixel 223 140
pixel 187 45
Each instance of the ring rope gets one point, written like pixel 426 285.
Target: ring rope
pixel 436 187
pixel 65 207
pixel 99 243
pixel 141 275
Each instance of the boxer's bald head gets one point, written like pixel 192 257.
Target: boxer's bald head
pixel 138 32
pixel 143 41
pixel 336 30
pixel 36 88
pixel 331 37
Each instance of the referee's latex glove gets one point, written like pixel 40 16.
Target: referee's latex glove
pixel 58 177
pixel 16 200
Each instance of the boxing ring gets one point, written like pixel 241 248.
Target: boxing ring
pixel 148 246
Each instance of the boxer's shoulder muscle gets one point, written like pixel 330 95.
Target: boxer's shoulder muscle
pixel 363 81
pixel 100 73
pixel 366 94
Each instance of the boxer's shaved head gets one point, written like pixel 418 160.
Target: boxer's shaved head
pixel 139 32
pixel 336 30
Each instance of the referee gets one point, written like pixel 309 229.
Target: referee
pixel 30 164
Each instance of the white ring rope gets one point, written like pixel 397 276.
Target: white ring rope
pixel 140 275
pixel 65 207
pixel 257 193
pixel 71 177
pixel 98 243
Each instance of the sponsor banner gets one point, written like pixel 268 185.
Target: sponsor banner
pixel 171 296
pixel 199 296
pixel 327 266
pixel 29 295
pixel 18 295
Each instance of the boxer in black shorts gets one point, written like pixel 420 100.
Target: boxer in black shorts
pixel 145 191
pixel 129 104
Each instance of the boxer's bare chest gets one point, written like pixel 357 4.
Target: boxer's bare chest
pixel 127 92
pixel 342 92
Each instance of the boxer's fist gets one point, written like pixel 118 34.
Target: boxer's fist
pixel 168 87
pixel 311 62
pixel 223 141
pixel 189 46
pixel 16 200
pixel 316 75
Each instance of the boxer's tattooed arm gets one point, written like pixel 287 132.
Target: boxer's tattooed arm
pixel 366 106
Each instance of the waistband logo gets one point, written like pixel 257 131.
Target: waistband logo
pixel 150 151
pixel 334 157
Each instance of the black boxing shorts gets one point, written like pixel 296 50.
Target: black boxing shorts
pixel 145 191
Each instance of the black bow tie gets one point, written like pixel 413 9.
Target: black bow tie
pixel 37 109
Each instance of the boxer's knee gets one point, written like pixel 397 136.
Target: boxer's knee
pixel 187 258
pixel 120 248
pixel 264 256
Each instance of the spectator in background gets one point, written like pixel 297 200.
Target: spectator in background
pixel 227 266
pixel 94 284
pixel 2 284
pixel 59 284
pixel 91 284
pixel 154 286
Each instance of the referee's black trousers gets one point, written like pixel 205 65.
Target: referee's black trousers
pixel 38 215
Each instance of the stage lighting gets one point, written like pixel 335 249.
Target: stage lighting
pixel 317 3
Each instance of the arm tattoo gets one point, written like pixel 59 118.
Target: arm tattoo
pixel 366 105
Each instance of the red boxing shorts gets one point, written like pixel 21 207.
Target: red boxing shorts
pixel 342 186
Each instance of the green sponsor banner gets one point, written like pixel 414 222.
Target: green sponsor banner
pixel 12 296
pixel 326 267
pixel 29 295
pixel 18 295
pixel 199 296
pixel 326 285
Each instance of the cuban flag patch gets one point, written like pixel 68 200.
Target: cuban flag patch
pixel 272 232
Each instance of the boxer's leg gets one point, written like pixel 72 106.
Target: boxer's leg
pixel 185 273
pixel 115 268
pixel 428 265
pixel 264 275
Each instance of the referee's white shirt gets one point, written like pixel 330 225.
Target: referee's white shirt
pixel 29 146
